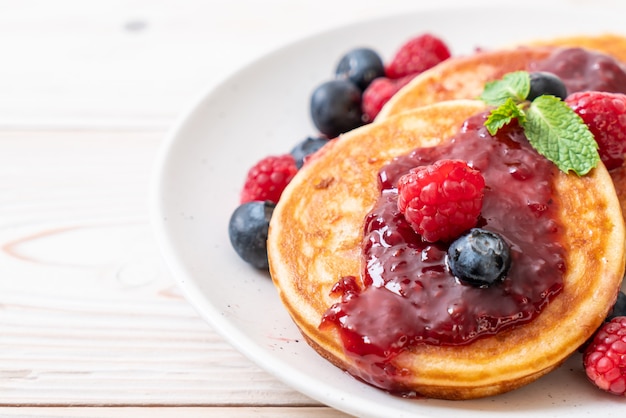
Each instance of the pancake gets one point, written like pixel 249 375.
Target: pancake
pixel 315 239
pixel 464 77
pixel 460 78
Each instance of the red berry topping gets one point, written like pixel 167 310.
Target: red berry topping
pixel 605 114
pixel 417 55
pixel 442 200
pixel 378 93
pixel 605 357
pixel 268 178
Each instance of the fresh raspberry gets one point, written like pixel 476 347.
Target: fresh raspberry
pixel 605 358
pixel 268 178
pixel 442 200
pixel 378 93
pixel 605 115
pixel 417 55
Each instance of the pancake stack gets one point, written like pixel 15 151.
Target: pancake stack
pixel 316 233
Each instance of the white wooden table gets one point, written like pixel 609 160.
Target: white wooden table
pixel 91 322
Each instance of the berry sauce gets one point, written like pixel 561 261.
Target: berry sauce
pixel 582 70
pixel 406 295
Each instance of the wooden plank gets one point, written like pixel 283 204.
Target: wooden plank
pixel 140 63
pixel 187 412
pixel 88 313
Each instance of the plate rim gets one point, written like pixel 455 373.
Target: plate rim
pixel 301 382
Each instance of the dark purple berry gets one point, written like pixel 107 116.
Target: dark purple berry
pixel 361 66
pixel 307 147
pixel 336 107
pixel 619 309
pixel 542 82
pixel 479 258
pixel 248 229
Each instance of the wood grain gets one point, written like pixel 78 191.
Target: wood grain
pixel 141 63
pixel 88 314
pixel 169 412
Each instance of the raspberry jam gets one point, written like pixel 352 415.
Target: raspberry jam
pixel 406 295
pixel 583 70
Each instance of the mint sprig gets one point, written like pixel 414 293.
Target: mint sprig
pixel 550 125
pixel 503 115
pixel 515 86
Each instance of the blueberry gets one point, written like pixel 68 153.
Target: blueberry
pixel 336 107
pixel 247 230
pixel 619 309
pixel 361 66
pixel 307 147
pixel 542 82
pixel 479 258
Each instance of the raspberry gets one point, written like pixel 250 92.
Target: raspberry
pixel 417 55
pixel 268 178
pixel 605 358
pixel 442 200
pixel 378 93
pixel 605 115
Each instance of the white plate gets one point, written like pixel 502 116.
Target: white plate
pixel 262 110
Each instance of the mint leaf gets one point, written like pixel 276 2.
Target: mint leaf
pixel 550 125
pixel 515 86
pixel 504 114
pixel 560 135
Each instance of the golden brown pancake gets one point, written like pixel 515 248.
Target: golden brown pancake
pixel 315 239
pixel 464 77
pixel 611 44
